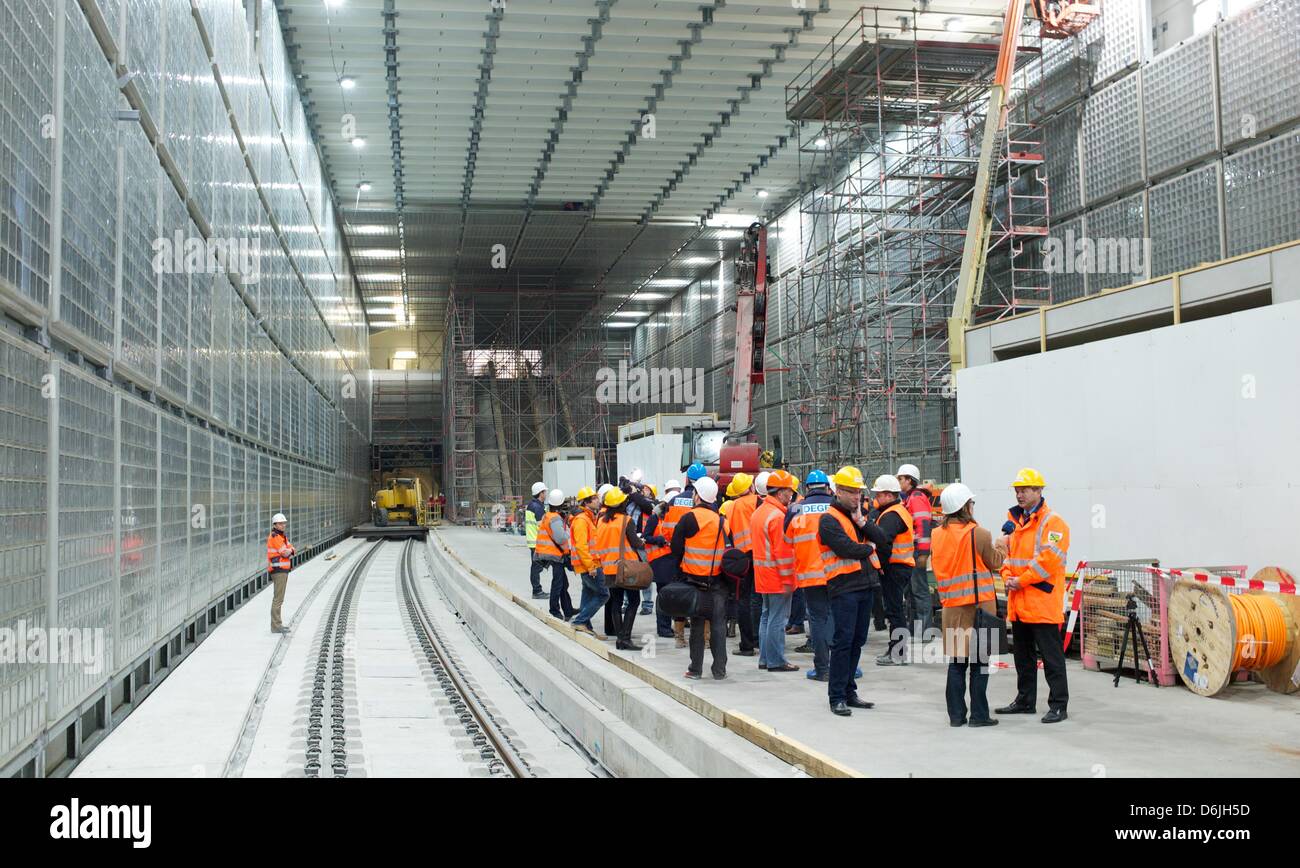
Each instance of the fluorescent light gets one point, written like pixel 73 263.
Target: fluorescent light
pixel 381 276
pixel 358 142
pixel 386 299
pixel 631 313
pixel 377 253
pixel 698 260
pixel 621 325
pixel 373 229
pixel 347 82
pixel 669 282
pixel 762 194
pixel 364 186
pixel 405 354
pixel 730 221
pixel 650 296
pixel 820 143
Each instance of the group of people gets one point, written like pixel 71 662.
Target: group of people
pixel 836 546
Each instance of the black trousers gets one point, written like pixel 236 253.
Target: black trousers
pixel 745 614
pixel 893 582
pixel 623 605
pixel 535 572
pixel 1045 639
pixel 717 632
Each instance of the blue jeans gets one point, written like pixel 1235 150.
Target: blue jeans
pixel 771 629
pixel 594 595
pixel 821 626
pixel 852 613
pixel 956 692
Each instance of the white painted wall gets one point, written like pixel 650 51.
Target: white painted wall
pixel 1153 437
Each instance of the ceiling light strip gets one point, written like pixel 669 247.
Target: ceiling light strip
pixel 497 11
pixel 395 138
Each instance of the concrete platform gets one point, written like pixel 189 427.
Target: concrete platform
pixel 1130 731
pixel 391 531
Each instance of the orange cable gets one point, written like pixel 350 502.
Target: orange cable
pixel 1262 639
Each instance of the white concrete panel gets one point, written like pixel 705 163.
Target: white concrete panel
pixel 1158 430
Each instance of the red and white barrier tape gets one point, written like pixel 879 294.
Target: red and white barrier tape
pixel 1225 581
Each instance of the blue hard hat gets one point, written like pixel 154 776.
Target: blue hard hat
pixel 817 477
pixel 696 471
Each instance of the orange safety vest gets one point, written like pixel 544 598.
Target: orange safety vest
pixel 832 564
pixel 1037 553
pixel 585 560
pixel 609 535
pixel 958 567
pixel 545 545
pixel 279 554
pixel 738 520
pixel 773 556
pixel 801 534
pixel 677 508
pixel 904 548
pixel 704 548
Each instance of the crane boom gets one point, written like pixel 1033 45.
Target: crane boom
pixel 751 325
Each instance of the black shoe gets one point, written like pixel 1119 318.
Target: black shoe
pixel 785 667
pixel 1055 715
pixel 538 595
pixel 805 648
pixel 841 709
pixel 666 635
pixel 956 723
pixel 694 676
pixel 989 722
pixel 1015 708
pixel 886 660
pixel 880 625
pixel 746 653
pixel 624 645
pixel 855 702
pixel 794 631
pixel 762 666
pixel 717 677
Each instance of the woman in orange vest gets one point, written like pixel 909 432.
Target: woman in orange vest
pixel 697 544
pixel 658 531
pixel 898 559
pixel 279 557
pixel 617 539
pixel 586 562
pixel 965 561
pixel 553 548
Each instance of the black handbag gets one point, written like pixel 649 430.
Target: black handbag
pixel 986 623
pixel 680 599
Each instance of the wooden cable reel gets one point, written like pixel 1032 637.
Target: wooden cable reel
pixel 1204 638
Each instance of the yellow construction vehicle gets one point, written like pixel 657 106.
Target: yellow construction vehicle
pixel 401 501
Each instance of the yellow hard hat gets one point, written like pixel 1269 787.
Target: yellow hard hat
pixel 615 497
pixel 740 483
pixel 583 493
pixel 1028 477
pixel 849 477
pixel 653 491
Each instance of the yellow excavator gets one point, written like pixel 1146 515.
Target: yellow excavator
pixel 400 501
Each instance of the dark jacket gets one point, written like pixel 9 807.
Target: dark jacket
pixel 832 535
pixel 687 527
pixel 891 526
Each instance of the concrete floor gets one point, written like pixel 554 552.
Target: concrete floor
pixel 1135 730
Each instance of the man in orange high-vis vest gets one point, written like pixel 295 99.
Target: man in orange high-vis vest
pixel 658 531
pixel 586 562
pixel 553 548
pixel 965 562
pixel 918 504
pixel 898 559
pixel 848 541
pixel 1036 551
pixel 742 504
pixel 774 580
pixel 801 522
pixel 697 544
pixel 279 559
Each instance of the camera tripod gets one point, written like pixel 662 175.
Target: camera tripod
pixel 1132 630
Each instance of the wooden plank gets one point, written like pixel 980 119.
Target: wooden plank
pixel 795 752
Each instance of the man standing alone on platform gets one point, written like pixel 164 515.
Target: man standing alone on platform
pixel 279 556
pixel 533 513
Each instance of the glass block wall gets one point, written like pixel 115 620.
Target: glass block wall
pixel 155 410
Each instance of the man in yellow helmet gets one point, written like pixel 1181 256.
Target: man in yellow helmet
pixel 1036 542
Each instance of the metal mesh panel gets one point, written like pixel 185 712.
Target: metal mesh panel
pixel 1117 234
pixel 1185 221
pixel 1112 140
pixel 90 98
pixel 173 491
pixel 26 155
pixel 219 560
pixel 1067 280
pixel 200 344
pixel 1262 186
pixel 1061 151
pixel 138 338
pixel 220 353
pixel 1178 104
pixel 174 300
pixel 179 61
pixel 24 487
pixel 239 368
pixel 138 539
pixel 143 53
pixel 1259 69
pixel 199 512
pixel 87 547
pixel 1113 43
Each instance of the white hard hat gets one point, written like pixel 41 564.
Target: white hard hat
pixel 954 497
pixel 909 470
pixel 279 517
pixel 886 482
pixel 760 482
pixel 635 476
pixel 670 487
pixel 600 492
pixel 538 488
pixel 555 498
pixel 707 489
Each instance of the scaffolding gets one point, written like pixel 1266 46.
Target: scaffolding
pixel 889 117
pixel 520 379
